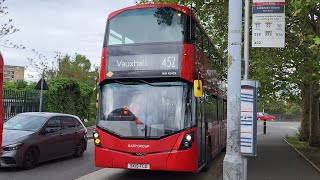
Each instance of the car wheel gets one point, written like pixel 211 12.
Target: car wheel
pixel 272 119
pixel 30 158
pixel 80 148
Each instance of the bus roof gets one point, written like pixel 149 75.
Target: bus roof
pixel 174 6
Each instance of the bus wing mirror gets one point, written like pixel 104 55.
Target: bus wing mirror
pixel 97 100
pixel 197 87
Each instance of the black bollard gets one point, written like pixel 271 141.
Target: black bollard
pixel 264 127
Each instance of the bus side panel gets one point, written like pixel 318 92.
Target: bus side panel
pixel 215 134
pixel 224 133
pixel 187 63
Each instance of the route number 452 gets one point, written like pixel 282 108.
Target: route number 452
pixel 169 62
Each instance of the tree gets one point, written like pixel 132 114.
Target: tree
pixel 63 96
pixel 69 96
pixel 288 75
pixel 7 27
pixel 21 84
pixel 78 68
pixel 9 85
pixel 307 14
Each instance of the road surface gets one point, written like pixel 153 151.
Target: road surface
pixel 83 168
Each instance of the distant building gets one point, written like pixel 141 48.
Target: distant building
pixel 13 73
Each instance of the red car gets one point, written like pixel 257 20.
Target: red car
pixel 265 116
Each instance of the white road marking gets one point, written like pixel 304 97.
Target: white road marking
pixel 101 174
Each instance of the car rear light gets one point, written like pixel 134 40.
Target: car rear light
pixel 187 141
pixel 96 139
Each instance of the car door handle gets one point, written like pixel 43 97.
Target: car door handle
pixel 61 134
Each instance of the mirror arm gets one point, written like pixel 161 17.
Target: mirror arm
pixel 198 80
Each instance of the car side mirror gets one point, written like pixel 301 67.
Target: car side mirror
pixel 49 130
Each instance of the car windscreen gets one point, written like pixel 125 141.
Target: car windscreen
pixel 25 122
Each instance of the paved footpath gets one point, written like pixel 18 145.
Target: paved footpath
pixel 276 160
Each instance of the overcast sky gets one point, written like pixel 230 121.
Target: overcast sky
pixel 67 26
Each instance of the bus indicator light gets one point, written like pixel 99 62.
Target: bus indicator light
pixel 97 141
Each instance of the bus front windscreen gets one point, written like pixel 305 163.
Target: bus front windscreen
pixel 148 25
pixel 145 110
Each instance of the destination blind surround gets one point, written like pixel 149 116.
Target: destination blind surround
pixel 146 64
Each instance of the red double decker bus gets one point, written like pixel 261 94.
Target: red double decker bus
pixel 160 106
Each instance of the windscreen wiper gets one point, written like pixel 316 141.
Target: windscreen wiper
pixel 145 82
pixel 159 85
pixel 127 83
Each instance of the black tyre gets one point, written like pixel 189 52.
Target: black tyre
pixel 30 158
pixel 80 148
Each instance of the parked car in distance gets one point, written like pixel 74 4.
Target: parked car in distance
pixel 265 116
pixel 30 138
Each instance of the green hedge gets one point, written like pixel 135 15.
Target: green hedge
pixel 68 96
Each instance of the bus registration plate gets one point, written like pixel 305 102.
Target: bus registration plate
pixel 138 166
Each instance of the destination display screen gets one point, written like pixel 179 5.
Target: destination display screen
pixel 154 64
pixel 143 62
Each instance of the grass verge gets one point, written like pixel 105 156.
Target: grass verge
pixel 312 153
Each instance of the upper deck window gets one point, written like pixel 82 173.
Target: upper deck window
pixel 150 25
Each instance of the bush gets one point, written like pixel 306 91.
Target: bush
pixel 68 96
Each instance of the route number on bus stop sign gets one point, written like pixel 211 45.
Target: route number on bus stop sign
pixel 268 23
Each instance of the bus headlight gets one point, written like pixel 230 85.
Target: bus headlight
pixel 96 139
pixel 187 141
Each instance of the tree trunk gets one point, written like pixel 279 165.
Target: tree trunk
pixel 305 123
pixel 314 139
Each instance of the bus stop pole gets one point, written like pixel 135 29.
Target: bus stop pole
pixel 41 92
pixel 246 61
pixel 233 161
pixel 1 97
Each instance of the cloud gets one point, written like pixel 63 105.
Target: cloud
pixel 73 26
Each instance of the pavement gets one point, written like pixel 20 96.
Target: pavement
pixel 90 132
pixel 276 160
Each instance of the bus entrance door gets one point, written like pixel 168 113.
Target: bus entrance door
pixel 201 132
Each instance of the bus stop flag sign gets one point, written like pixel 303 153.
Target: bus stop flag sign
pixel 268 23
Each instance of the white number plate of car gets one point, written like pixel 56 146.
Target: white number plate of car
pixel 138 166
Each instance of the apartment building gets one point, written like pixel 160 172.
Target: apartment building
pixel 13 73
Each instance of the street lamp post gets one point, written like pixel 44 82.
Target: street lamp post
pixel 233 165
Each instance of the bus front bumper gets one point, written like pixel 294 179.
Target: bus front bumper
pixel 184 161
